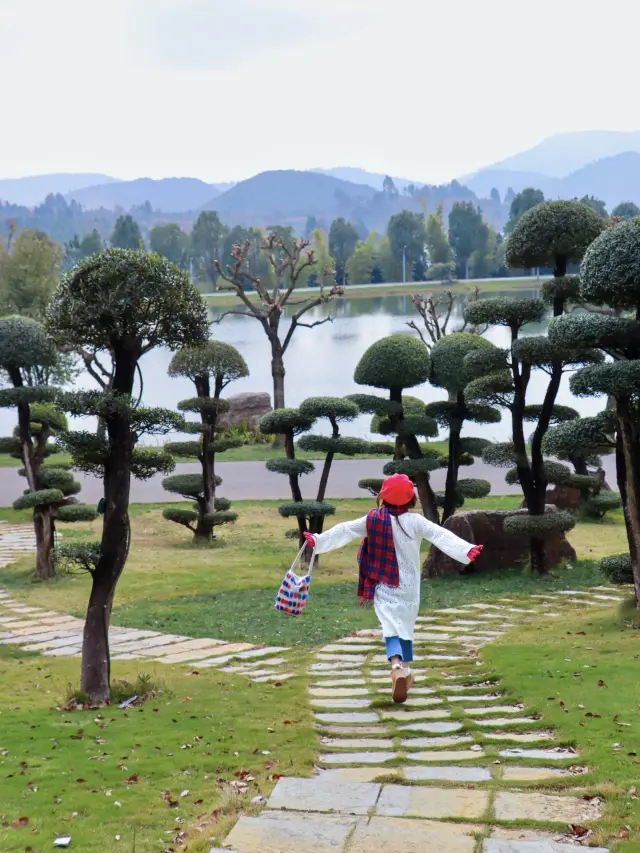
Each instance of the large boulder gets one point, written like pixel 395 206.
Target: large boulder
pixel 502 550
pixel 246 408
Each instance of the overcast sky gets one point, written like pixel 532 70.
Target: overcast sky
pixel 222 89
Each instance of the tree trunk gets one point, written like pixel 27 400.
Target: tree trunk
pixel 453 466
pixel 43 527
pixel 204 529
pixel 632 487
pixel 538 556
pixel 278 374
pixel 114 546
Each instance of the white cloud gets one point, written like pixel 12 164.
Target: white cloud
pixel 225 88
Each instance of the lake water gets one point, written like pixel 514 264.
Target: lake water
pixel 321 361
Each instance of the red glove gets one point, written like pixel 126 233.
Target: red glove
pixel 475 552
pixel 310 539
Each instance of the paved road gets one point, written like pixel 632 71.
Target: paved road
pixel 252 481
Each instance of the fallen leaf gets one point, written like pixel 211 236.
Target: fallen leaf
pixel 20 821
pixel 624 832
pixel 81 780
pixel 578 831
pixel 132 780
pixel 601 683
pixel 633 792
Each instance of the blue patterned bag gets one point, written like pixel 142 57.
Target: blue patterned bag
pixel 294 589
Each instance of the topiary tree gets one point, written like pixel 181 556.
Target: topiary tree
pixel 395 363
pixel 610 277
pixel 504 382
pixel 125 302
pixel 618 569
pixel 449 371
pixel 27 355
pixel 215 363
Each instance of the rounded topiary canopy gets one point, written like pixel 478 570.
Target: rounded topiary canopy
pixel 501 311
pixel 411 407
pixel 215 359
pixel 189 485
pixel 306 509
pixel 283 420
pixel 618 568
pixel 594 330
pixel 24 344
pixel 290 467
pixel 46 415
pixel 559 414
pixel 566 288
pixel 448 368
pixel 552 230
pixel 125 297
pixel 398 361
pixel 540 526
pixel 610 271
pixel 617 378
pixel 580 437
pixel 345 444
pixel 339 408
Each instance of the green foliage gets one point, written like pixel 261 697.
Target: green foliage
pixel 617 379
pixel 406 232
pixel 43 497
pixel 126 233
pixel 186 517
pixel 372 485
pixel 474 446
pixel 12 446
pixel 594 330
pixel 204 405
pixel 480 362
pixel 438 248
pixel 411 467
pixel 290 466
pixel 502 311
pixel 554 472
pixel 58 478
pixel 189 485
pixel 626 210
pixel 285 420
pixel 214 359
pixel 220 445
pixel 605 501
pixel 147 462
pixel 306 509
pixel 580 437
pixel 468 232
pixel 369 404
pixel 105 300
pixel 539 351
pixel 617 568
pixel 566 288
pixel 448 359
pixel 184 448
pixel 46 415
pixel 171 242
pixel 343 239
pixel 24 344
pixel 410 407
pixel 338 408
pixel 84 556
pixel 346 445
pixel 11 397
pixel 28 274
pixel 206 244
pixel 472 487
pixel 76 512
pixel 560 414
pixel 540 526
pixel 398 361
pixel 610 271
pixel 89 451
pixel 220 517
pixel 422 426
pixel 500 454
pixel 522 202
pixel 493 390
pixel 551 231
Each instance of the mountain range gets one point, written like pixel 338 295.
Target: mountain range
pixel 605 164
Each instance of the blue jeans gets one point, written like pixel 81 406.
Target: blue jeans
pixel 399 648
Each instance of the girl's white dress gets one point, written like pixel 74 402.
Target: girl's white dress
pixel 397 607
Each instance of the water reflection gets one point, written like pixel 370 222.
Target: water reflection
pixel 322 361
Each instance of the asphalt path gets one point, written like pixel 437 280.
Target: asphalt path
pixel 252 481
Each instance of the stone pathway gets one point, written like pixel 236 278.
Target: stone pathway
pixel 59 635
pixel 449 772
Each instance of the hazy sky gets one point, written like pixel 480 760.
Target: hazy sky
pixel 221 89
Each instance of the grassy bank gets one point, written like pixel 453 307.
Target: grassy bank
pixel 227 590
pixel 582 674
pixel 134 779
pixel 225 300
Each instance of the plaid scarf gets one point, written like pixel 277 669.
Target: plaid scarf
pixel 377 559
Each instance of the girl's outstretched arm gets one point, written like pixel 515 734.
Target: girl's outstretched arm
pixel 341 535
pixel 453 546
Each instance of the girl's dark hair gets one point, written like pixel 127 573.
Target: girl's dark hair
pixel 398 511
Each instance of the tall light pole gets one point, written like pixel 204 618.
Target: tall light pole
pixel 404 264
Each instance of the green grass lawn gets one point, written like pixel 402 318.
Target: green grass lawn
pixel 582 674
pixel 100 775
pixel 225 300
pixel 247 453
pixel 227 591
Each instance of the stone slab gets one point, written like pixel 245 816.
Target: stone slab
pixel 291 833
pixel 202 652
pixel 496 709
pixel 364 774
pixel 539 754
pixel 533 774
pixel 357 757
pixel 340 682
pixel 356 743
pixel 402 801
pixel 447 774
pixel 444 755
pixel 335 667
pixel 354 730
pixel 434 742
pixel 398 835
pixel 337 692
pixel 340 703
pixel 347 648
pixel 515 737
pixel 546 807
pixel 150 643
pixel 500 722
pixel 324 795
pixel 354 660
pixel 405 716
pixel 432 728
pixel 65 651
pixel 347 719
pixel 58 643
pixel 481 697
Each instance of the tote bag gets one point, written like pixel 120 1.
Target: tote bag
pixel 294 589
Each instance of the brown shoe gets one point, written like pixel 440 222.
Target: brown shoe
pixel 400 686
pixel 410 681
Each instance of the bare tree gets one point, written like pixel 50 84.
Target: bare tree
pixel 436 313
pixel 290 264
